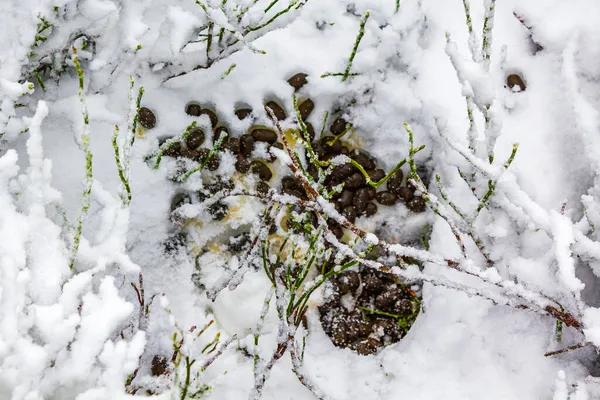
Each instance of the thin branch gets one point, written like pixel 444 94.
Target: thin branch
pixel 566 349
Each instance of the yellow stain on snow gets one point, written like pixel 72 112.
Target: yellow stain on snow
pixel 291 135
pixel 234 211
pixel 195 251
pixel 140 132
pixel 214 247
pixel 276 240
pixel 352 141
pixel 192 224
pixel 283 223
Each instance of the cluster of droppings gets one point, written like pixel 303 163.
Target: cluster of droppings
pixel 363 311
pixel 367 310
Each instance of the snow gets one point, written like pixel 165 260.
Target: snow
pixel 75 334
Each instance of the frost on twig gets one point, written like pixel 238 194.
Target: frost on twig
pixel 84 142
pixel 226 29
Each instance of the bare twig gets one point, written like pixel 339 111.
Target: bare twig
pixel 566 349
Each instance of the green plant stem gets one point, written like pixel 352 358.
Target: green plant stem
pixel 492 184
pixel 377 312
pixel 335 139
pixel 221 34
pixel 89 178
pixel 271 5
pixel 209 42
pixel 508 162
pixel 188 376
pixel 170 143
pixel 207 159
pixel 472 126
pixel 438 181
pixel 264 253
pixel 120 170
pixel 39 79
pixel 488 23
pixel 229 70
pixel 324 124
pixel 138 102
pixel 272 19
pixel 486 197
pixel 300 305
pixel 261 321
pixel 213 343
pixel 132 126
pixel 385 178
pixel 305 135
pixel 328 74
pixel 361 33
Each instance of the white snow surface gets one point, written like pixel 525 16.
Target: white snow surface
pixel 461 346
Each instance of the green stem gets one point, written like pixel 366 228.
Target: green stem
pixel 488 23
pixel 270 6
pixel 213 343
pixel 301 303
pixel 306 136
pixel 328 74
pixel 261 321
pixel 170 143
pixel 226 74
pixel 492 184
pixel 438 181
pixel 280 13
pixel 335 139
pixel 120 170
pixel 138 102
pixel 487 195
pixel 361 33
pixel 388 176
pixel 89 179
pixel 324 125
pixel 188 376
pixel 207 159
pixel 512 155
pixel 209 42
pixel 39 79
pixel 373 311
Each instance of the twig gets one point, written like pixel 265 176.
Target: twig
pixel 219 352
pixel 566 349
pixel 297 367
